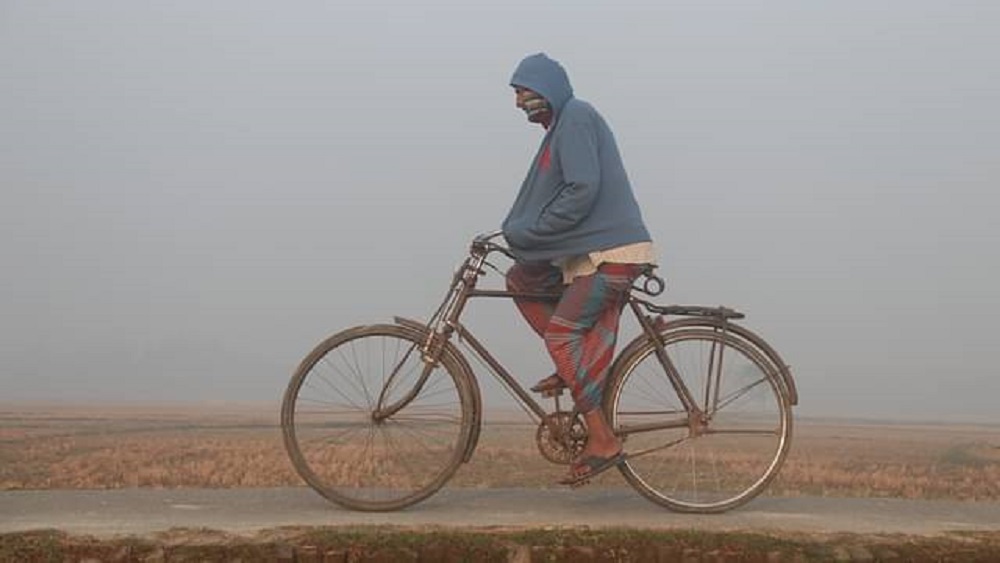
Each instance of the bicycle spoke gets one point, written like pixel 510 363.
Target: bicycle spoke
pixel 408 468
pixel 639 453
pixel 413 434
pixel 348 380
pixel 739 393
pixel 338 437
pixel 361 378
pixel 428 418
pixel 333 388
pixel 743 431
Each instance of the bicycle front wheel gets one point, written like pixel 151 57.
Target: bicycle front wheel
pixel 346 449
pixel 717 453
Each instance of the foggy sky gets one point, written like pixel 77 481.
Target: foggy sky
pixel 196 193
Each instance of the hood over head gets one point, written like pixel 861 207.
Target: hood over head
pixel 546 76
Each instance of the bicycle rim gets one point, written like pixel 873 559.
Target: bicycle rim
pixel 348 456
pixel 723 459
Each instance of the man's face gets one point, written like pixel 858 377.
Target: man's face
pixel 521 95
pixel 533 104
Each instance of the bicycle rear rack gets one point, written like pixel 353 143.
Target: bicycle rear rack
pixel 692 310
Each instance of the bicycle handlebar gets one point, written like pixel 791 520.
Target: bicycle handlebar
pixel 482 244
pixel 485 237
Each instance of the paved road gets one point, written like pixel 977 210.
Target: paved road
pixel 143 511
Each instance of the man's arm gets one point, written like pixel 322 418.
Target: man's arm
pixel 575 197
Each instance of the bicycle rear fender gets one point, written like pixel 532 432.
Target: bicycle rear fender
pixel 455 354
pixel 704 322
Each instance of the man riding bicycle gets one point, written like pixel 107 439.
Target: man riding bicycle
pixel 577 230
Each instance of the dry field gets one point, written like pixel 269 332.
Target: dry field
pixel 44 447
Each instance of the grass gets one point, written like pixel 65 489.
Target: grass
pixel 108 449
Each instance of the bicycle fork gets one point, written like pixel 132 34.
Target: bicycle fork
pixel 439 331
pixel 430 353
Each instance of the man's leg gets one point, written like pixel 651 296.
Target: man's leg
pixel 540 277
pixel 581 338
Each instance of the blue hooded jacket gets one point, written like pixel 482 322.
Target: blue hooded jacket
pixel 576 197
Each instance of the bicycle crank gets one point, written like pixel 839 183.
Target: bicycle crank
pixel 561 437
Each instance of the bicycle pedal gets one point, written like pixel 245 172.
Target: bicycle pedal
pixel 553 393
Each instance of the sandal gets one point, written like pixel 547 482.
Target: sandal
pixel 594 466
pixel 550 386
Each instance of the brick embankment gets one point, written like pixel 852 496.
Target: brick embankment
pixel 342 545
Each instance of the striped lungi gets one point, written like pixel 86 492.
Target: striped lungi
pixel 580 329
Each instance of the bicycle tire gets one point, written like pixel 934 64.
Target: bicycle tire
pixel 345 454
pixel 742 445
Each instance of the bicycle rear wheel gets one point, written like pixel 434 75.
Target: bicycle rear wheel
pixel 356 459
pixel 733 445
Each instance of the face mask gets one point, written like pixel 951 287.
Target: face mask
pixel 536 107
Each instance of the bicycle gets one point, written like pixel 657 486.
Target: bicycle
pixel 379 417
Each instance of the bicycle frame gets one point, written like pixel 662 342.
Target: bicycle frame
pixel 446 322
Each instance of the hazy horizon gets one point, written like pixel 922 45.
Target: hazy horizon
pixel 195 194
